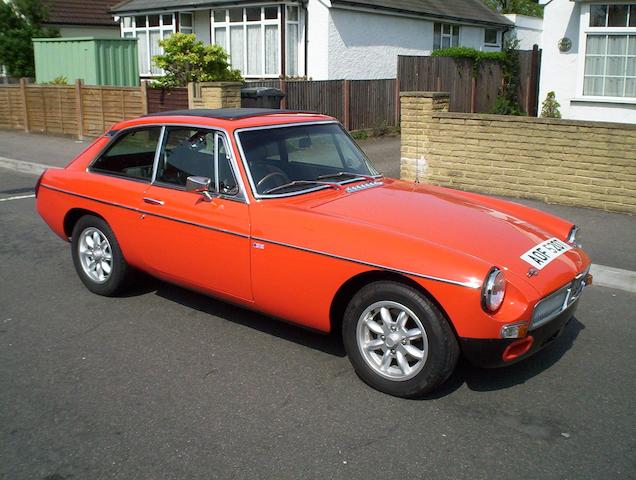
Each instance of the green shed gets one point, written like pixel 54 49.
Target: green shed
pixel 97 61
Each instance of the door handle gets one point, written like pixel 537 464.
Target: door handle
pixel 153 201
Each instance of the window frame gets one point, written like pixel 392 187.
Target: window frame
pixel 498 35
pixel 113 141
pixel 240 196
pixel 272 196
pixel 586 31
pixel 450 35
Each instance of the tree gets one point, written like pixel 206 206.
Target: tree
pixel 550 107
pixel 520 7
pixel 187 60
pixel 20 22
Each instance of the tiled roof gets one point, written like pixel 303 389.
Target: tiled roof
pixel 80 12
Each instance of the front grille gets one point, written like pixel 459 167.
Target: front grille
pixel 552 305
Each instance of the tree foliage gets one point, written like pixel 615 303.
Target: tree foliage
pixel 187 60
pixel 550 107
pixel 507 102
pixel 520 7
pixel 21 21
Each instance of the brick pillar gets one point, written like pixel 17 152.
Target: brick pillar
pixel 417 125
pixel 214 95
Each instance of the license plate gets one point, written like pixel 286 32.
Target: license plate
pixel 545 252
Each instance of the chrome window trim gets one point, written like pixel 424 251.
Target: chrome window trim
pixel 113 138
pixel 241 196
pixel 248 172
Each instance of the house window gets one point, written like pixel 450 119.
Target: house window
pixel 610 51
pixel 491 37
pixel 149 31
pixel 251 36
pixel 445 35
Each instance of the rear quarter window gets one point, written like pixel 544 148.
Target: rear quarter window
pixel 131 154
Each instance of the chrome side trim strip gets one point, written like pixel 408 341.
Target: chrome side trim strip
pixel 368 264
pixel 145 212
pixel 473 285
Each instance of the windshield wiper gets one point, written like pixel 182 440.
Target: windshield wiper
pixel 349 174
pixel 303 182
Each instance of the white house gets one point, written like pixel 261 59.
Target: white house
pixel 528 30
pixel 319 39
pixel 589 59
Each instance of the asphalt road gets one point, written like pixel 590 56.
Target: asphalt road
pixel 169 384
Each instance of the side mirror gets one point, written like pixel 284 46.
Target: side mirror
pixel 199 185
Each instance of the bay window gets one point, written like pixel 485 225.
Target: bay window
pixel 252 38
pixel 610 51
pixel 149 30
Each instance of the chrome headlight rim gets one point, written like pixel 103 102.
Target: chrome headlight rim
pixel 494 284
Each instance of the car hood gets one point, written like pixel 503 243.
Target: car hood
pixel 495 231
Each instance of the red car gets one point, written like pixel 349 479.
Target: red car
pixel 281 212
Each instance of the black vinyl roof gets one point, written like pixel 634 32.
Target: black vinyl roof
pixel 228 113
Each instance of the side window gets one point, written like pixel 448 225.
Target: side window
pixel 191 152
pixel 131 155
pixel 186 152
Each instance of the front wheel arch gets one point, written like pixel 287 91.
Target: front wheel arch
pixel 348 289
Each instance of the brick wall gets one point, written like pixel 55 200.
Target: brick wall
pixel 588 164
pixel 214 95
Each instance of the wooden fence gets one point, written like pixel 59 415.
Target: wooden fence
pixel 163 99
pixel 77 110
pixel 469 93
pixel 358 104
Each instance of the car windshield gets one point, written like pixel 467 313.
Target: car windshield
pixel 301 158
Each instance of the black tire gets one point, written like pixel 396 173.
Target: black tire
pixel 120 271
pixel 443 350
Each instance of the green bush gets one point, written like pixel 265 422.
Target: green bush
pixel 187 60
pixel 550 107
pixel 61 80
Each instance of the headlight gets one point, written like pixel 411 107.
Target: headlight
pixel 572 235
pixel 493 291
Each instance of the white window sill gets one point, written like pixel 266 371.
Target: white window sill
pixel 623 100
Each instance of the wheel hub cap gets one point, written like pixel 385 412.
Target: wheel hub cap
pixel 95 255
pixel 392 340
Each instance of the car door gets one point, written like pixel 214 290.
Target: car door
pixel 193 239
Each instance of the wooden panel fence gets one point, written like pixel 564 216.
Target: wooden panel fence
pixel 469 93
pixel 163 99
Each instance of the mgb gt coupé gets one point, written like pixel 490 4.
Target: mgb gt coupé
pixel 281 212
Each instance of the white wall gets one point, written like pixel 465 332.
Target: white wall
pixel 366 45
pixel 562 72
pixel 318 39
pixel 528 30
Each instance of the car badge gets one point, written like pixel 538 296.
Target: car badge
pixel 532 272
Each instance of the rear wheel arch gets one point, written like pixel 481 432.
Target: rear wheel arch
pixel 347 290
pixel 72 217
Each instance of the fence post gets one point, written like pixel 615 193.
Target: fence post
pixel 397 101
pixel 80 109
pixel 144 97
pixel 473 94
pixel 282 83
pixel 25 107
pixel 532 87
pixel 346 92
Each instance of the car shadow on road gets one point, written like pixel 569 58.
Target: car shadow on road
pixel 475 378
pixel 330 344
pixel 489 379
